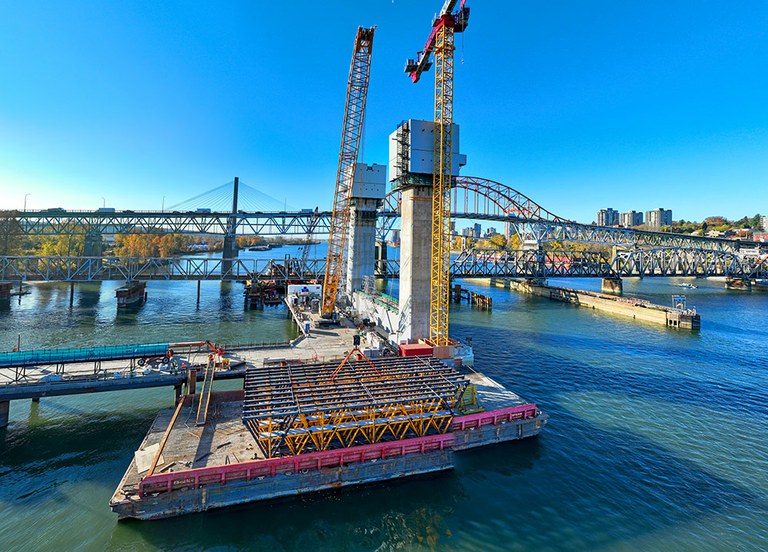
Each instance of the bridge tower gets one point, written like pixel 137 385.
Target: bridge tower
pixel 368 191
pixel 230 238
pixel 411 166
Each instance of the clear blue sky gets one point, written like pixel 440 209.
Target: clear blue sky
pixel 580 105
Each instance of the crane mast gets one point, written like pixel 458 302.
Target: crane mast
pixel 440 42
pixel 354 116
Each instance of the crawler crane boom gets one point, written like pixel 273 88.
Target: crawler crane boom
pixel 354 115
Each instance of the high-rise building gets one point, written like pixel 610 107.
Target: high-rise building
pixel 630 219
pixel 478 230
pixel 607 217
pixel 764 222
pixel 658 218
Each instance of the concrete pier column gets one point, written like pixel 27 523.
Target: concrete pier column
pixel 381 259
pixel 362 243
pixel 368 191
pixel 738 284
pixel 415 264
pixel 5 407
pixel 93 244
pixel 5 291
pixel 613 285
pixel 177 393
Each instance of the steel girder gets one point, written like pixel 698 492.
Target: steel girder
pixel 474 263
pixel 150 222
pixel 87 269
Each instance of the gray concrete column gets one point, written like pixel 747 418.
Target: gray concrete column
pixel 415 264
pixel 5 407
pixel 613 285
pixel 361 245
pixel 739 284
pixel 93 244
pixel 381 259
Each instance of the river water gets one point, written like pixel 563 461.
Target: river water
pixel 657 438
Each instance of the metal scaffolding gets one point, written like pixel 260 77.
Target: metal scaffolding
pixel 294 409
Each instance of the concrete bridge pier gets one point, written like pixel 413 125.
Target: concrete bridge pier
pixel 93 244
pixel 5 407
pixel 738 284
pixel 613 285
pixel 381 259
pixel 368 190
pixel 415 265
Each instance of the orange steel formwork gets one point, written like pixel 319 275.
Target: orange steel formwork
pixel 297 409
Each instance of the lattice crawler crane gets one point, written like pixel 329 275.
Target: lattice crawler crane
pixel 352 130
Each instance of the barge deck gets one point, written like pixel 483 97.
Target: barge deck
pixel 182 468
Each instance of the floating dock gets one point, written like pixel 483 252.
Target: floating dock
pixel 637 309
pixel 297 429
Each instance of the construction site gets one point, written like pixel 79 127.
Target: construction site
pixel 400 398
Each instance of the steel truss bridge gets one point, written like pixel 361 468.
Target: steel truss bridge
pixel 473 198
pixel 474 263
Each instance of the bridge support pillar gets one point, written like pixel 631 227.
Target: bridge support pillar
pixel 362 246
pixel 415 264
pixel 230 238
pixel 381 259
pixel 739 284
pixel 177 393
pixel 5 291
pixel 229 252
pixel 369 186
pixel 5 407
pixel 613 285
pixel 93 245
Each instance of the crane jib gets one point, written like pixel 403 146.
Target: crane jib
pixel 457 20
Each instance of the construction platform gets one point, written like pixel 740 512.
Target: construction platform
pixel 300 429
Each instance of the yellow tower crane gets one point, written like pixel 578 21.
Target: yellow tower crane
pixel 440 42
pixel 354 116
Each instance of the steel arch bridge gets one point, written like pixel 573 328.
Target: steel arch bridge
pixel 484 199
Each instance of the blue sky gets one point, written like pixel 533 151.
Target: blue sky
pixel 579 105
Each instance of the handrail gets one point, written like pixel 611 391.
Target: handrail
pixel 167 482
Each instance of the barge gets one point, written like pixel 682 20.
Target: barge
pixel 131 293
pixel 298 429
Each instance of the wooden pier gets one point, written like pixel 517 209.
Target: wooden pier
pixel 458 294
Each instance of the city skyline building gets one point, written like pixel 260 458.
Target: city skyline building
pixel 656 218
pixel 607 217
pixel 631 218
